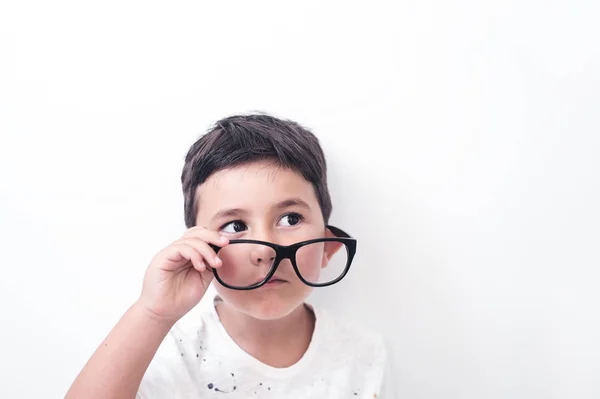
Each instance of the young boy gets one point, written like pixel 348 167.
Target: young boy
pixel 256 208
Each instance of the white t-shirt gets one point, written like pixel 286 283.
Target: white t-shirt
pixel 198 359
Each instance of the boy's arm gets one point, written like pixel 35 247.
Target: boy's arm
pixel 174 283
pixel 118 365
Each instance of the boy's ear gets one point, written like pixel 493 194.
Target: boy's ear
pixel 330 248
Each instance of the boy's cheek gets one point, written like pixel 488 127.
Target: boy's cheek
pixel 310 260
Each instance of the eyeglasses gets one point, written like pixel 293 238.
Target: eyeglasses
pixel 250 264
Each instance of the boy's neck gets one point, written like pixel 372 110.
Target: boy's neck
pixel 277 343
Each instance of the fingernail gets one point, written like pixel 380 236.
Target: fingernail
pixel 223 239
pixel 218 260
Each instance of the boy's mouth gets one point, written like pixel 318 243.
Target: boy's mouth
pixel 274 281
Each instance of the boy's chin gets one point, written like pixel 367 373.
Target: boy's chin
pixel 263 307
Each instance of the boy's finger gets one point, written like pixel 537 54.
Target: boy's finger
pixel 192 255
pixel 206 235
pixel 208 254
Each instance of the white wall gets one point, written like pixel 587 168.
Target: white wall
pixel 462 139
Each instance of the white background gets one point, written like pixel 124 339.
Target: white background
pixel 462 139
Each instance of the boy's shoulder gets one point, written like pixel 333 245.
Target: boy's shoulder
pixel 340 338
pixel 343 357
pixel 336 338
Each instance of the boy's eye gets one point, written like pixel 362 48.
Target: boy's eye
pixel 291 219
pixel 234 227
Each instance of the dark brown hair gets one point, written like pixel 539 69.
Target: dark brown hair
pixel 241 139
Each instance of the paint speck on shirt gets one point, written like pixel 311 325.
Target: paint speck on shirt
pixel 210 386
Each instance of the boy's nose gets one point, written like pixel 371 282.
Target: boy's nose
pixel 262 255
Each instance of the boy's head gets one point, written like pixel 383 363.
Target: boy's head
pixel 242 139
pixel 262 178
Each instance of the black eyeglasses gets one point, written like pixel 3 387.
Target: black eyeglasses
pixel 250 264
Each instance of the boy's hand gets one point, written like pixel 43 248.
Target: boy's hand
pixel 179 275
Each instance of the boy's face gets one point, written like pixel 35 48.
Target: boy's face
pixel 262 201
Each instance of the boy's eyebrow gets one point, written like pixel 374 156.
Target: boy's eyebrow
pixel 226 213
pixel 292 202
pixel 237 212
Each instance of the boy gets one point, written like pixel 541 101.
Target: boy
pixel 256 207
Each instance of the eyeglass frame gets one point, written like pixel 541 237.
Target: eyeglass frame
pixel 289 252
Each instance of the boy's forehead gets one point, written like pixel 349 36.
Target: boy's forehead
pixel 257 184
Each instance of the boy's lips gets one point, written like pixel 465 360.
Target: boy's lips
pixel 273 281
